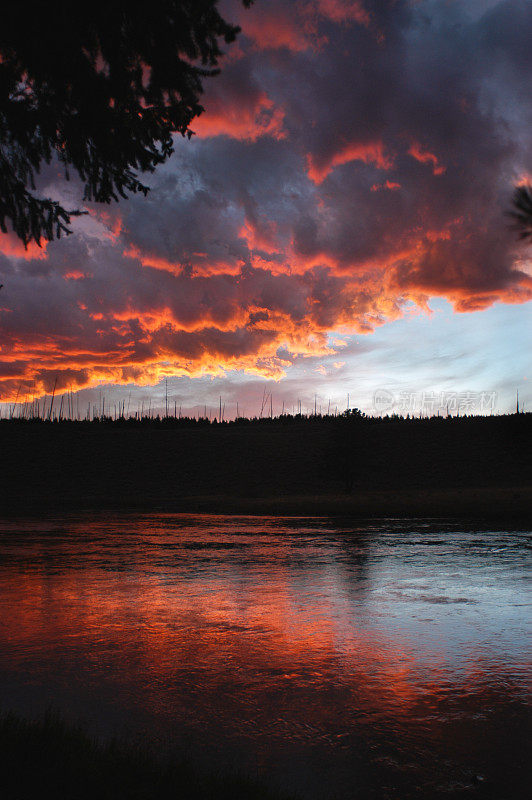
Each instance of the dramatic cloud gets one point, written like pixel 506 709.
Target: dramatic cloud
pixel 354 158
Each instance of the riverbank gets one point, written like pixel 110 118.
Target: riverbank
pixel 489 505
pixel 48 758
pixel 479 507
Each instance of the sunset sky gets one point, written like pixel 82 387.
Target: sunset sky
pixel 336 225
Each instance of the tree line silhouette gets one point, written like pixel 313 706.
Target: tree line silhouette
pixel 185 464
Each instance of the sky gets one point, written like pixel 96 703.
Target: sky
pixel 336 226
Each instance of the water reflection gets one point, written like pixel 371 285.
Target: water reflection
pixel 379 661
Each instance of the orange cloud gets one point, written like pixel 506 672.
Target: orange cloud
pixel 247 123
pixel 196 264
pixel 11 246
pixel 242 339
pixel 369 153
pixel 391 185
pixel 259 234
pixel 524 179
pixel 74 275
pixel 425 157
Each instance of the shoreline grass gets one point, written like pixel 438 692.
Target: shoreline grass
pixel 50 758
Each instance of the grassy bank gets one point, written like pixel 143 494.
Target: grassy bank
pixel 51 759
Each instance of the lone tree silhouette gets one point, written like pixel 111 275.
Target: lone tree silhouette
pixel 99 88
pixel 522 211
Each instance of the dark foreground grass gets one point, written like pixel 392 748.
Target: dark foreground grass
pixel 48 758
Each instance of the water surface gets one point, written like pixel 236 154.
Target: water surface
pixel 385 660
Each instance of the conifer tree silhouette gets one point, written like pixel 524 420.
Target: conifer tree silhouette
pixel 99 88
pixel 522 211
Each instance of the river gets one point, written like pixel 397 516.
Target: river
pixel 386 659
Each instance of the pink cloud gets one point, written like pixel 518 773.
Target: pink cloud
pixel 344 11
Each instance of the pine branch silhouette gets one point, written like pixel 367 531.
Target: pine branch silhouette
pixel 522 211
pixel 100 90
